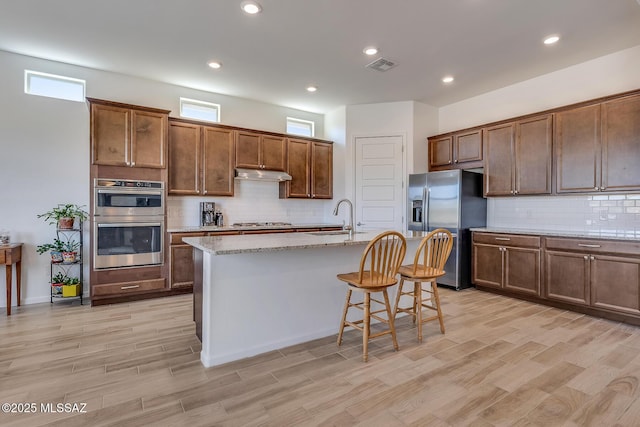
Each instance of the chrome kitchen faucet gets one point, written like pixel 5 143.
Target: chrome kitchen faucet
pixel 351 219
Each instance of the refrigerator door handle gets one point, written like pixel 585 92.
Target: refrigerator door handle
pixel 426 194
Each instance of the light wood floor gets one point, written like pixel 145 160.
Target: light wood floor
pixel 501 362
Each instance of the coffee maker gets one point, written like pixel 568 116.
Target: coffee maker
pixel 207 214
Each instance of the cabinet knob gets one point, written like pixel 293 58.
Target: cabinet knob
pixel 516 191
pixel 455 161
pixel 596 188
pixel 603 188
pixel 511 191
pixel 449 162
pixel 592 258
pixel 586 257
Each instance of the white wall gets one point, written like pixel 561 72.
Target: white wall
pixel 607 75
pixel 44 156
pixel 425 124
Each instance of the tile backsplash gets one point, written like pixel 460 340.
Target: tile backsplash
pixel 601 213
pixel 253 201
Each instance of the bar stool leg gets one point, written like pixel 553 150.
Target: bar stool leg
pixel 392 326
pixel 419 307
pixel 366 326
pixel 436 297
pixel 344 316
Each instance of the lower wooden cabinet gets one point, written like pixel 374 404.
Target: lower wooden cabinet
pixel 602 274
pixel 596 276
pixel 507 262
pixel 566 277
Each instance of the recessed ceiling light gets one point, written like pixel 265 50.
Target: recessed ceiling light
pixel 551 40
pixel 251 7
pixel 311 88
pixel 214 64
pixel 370 50
pixel 447 79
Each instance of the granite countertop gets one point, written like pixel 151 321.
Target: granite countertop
pixel 194 229
pixel 249 243
pixel 610 235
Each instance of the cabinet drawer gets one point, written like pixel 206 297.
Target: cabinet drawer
pixel 176 238
pixel 594 245
pixel 507 240
pixel 124 288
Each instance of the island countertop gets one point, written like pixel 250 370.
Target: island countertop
pixel 284 227
pixel 228 245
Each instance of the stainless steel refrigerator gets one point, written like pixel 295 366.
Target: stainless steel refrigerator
pixel 452 200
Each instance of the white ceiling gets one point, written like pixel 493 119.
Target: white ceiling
pixel 274 56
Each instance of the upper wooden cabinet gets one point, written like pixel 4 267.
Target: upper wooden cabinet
pixel 578 150
pixel 128 135
pixel 201 160
pixel 260 151
pixel 518 157
pixel 621 144
pixel 598 147
pixel 310 164
pixel 459 150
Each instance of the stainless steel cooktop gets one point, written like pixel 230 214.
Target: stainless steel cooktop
pixel 260 224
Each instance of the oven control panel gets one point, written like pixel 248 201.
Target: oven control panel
pixel 126 183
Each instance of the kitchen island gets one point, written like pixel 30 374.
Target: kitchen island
pixel 256 293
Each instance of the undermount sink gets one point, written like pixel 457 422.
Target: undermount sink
pixel 334 232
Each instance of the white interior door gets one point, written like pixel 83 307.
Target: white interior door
pixel 379 175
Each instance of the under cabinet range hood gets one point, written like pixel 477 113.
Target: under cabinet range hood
pixel 262 175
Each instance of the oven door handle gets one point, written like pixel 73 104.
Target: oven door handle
pixel 130 191
pixel 128 224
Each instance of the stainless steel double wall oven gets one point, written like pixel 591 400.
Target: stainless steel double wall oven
pixel 128 223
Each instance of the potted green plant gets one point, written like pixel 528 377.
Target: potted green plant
pixel 70 251
pixel 64 215
pixel 57 283
pixel 71 287
pixel 55 249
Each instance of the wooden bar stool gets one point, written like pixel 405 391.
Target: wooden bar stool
pixel 378 269
pixel 428 265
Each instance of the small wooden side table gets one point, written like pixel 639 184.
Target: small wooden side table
pixel 9 255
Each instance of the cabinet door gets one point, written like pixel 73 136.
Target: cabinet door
pixel 567 277
pixel 274 153
pixel 487 265
pixel 533 155
pixel 621 144
pixel 321 170
pixel 615 283
pixel 248 150
pixel 184 159
pixel 440 152
pixel 498 170
pixel 217 162
pixel 467 148
pixel 577 147
pixel 110 135
pixel 299 167
pixel 522 270
pixel 181 266
pixel 149 139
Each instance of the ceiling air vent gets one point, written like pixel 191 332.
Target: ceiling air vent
pixel 381 64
